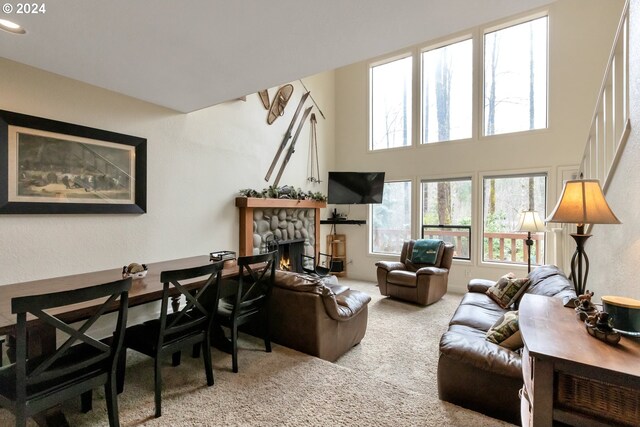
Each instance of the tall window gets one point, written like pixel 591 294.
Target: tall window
pixel 504 197
pixel 515 78
pixel 391 104
pixel 446 213
pixel 391 220
pixel 447 92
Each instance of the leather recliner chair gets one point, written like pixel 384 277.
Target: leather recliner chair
pixel 317 315
pixel 420 283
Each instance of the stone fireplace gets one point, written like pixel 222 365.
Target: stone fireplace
pixel 291 226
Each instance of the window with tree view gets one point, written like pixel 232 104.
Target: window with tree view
pixel 391 104
pixel 504 197
pixel 447 92
pixel 515 78
pixel 391 219
pixel 446 213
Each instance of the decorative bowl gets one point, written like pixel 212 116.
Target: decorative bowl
pixel 625 313
pixel 609 336
pixel 222 256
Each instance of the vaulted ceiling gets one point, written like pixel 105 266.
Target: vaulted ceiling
pixel 188 55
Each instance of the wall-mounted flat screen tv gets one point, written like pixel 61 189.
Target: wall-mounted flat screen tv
pixel 346 188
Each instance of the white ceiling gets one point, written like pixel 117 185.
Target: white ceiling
pixel 187 55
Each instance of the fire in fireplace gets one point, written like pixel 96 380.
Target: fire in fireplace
pixel 285 263
pixel 289 253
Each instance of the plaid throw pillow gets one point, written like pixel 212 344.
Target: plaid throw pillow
pixel 506 332
pixel 507 290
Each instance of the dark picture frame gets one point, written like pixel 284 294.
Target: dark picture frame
pixel 53 167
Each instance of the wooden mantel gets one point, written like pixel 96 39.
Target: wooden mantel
pixel 246 206
pixel 258 202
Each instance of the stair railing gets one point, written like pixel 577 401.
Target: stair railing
pixel 610 126
pixel 609 131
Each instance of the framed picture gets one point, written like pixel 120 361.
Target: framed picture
pixel 52 167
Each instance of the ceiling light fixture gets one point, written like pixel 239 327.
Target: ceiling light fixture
pixel 11 27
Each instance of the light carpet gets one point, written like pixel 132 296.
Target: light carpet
pixel 387 380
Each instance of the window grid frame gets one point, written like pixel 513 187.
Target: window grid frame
pixel 370 215
pixel 476 35
pixel 422 225
pixel 480 115
pixel 481 212
pixel 410 132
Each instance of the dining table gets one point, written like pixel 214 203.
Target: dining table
pixel 143 290
pixel 147 289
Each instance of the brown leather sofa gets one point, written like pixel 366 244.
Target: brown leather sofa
pixel 480 375
pixel 419 283
pixel 317 316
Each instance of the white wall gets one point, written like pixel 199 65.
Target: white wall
pixel 197 162
pixel 614 250
pixel 581 34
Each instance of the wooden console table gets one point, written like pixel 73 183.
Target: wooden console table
pixel 571 377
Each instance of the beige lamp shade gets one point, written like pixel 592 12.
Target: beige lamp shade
pixel 530 221
pixel 582 202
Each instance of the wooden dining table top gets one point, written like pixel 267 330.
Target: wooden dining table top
pixel 143 290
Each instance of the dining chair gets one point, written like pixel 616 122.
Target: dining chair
pixel 256 274
pixel 172 332
pixel 77 366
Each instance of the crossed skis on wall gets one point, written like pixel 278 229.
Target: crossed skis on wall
pixel 287 135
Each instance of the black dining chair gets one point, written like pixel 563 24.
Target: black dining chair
pixel 250 299
pixel 77 366
pixel 172 332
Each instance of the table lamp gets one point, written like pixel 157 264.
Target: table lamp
pixel 582 202
pixel 530 222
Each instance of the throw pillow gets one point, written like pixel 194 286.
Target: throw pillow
pixel 506 332
pixel 426 251
pixel 507 290
pixel 414 266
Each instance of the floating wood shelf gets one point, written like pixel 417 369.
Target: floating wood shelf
pixel 343 221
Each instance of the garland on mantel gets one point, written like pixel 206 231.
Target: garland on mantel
pixel 284 192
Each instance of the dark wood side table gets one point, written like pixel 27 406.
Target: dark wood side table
pixel 571 377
